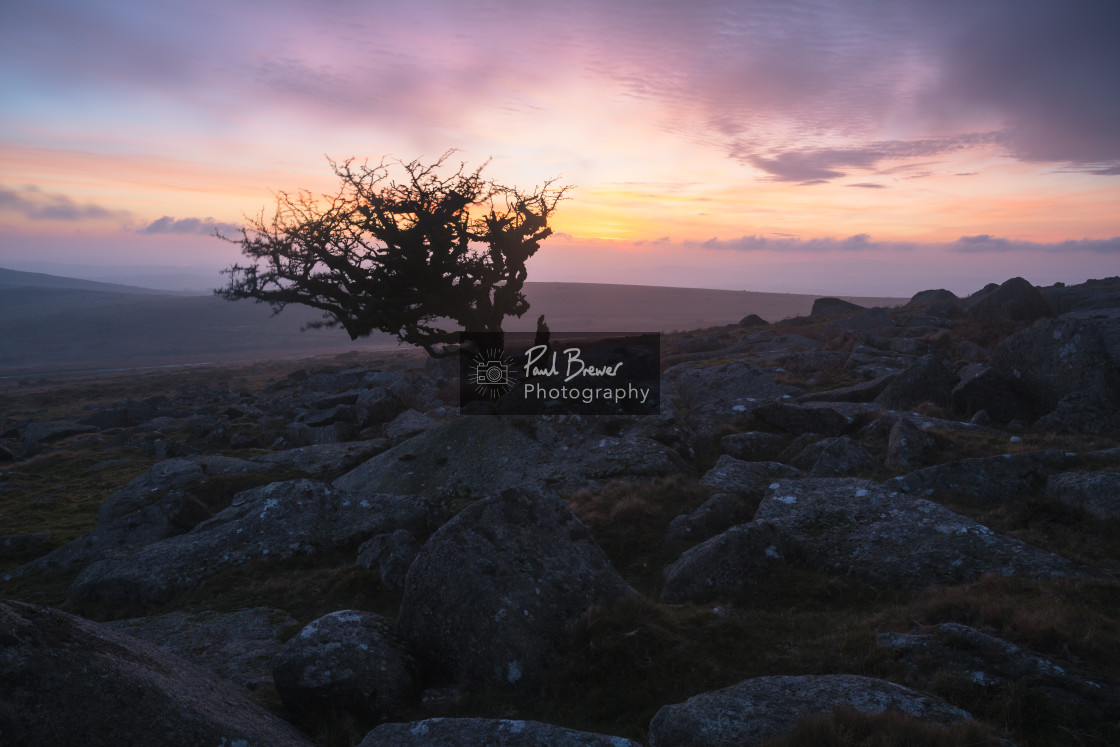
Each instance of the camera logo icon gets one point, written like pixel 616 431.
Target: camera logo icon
pixel 492 373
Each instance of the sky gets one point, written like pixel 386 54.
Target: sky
pixel 857 147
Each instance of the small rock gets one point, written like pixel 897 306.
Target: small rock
pixel 349 661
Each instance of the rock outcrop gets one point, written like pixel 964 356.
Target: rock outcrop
pixel 857 527
pixel 1015 300
pixel 1064 357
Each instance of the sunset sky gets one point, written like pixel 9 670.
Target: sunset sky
pixel 844 147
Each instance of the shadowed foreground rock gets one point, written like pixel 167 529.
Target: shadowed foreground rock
pixel 454 732
pixel 757 709
pixel 489 597
pixel 69 681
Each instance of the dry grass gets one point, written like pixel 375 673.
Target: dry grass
pixel 629 521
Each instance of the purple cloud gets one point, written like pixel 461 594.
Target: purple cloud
pixel 820 165
pixel 203 226
pixel 979 244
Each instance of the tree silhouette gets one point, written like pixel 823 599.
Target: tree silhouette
pixel 408 255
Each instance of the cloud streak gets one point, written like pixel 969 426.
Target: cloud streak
pixel 38 206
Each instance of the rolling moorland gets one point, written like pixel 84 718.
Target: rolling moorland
pixel 887 525
pixel 60 324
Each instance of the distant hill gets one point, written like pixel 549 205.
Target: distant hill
pixel 18 279
pixel 62 324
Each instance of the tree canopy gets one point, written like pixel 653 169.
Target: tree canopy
pixel 398 248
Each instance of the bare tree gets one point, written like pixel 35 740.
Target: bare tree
pixel 418 255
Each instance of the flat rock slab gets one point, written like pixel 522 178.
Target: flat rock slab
pixel 823 418
pixel 706 394
pixel 477 456
pixel 764 707
pixel 987 660
pixel 38 433
pixel 69 681
pixel 863 528
pixel 236 646
pixel 1095 493
pixel 748 479
pixel 278 520
pixel 991 479
pixel 455 732
pixel 325 461
pixel 862 392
